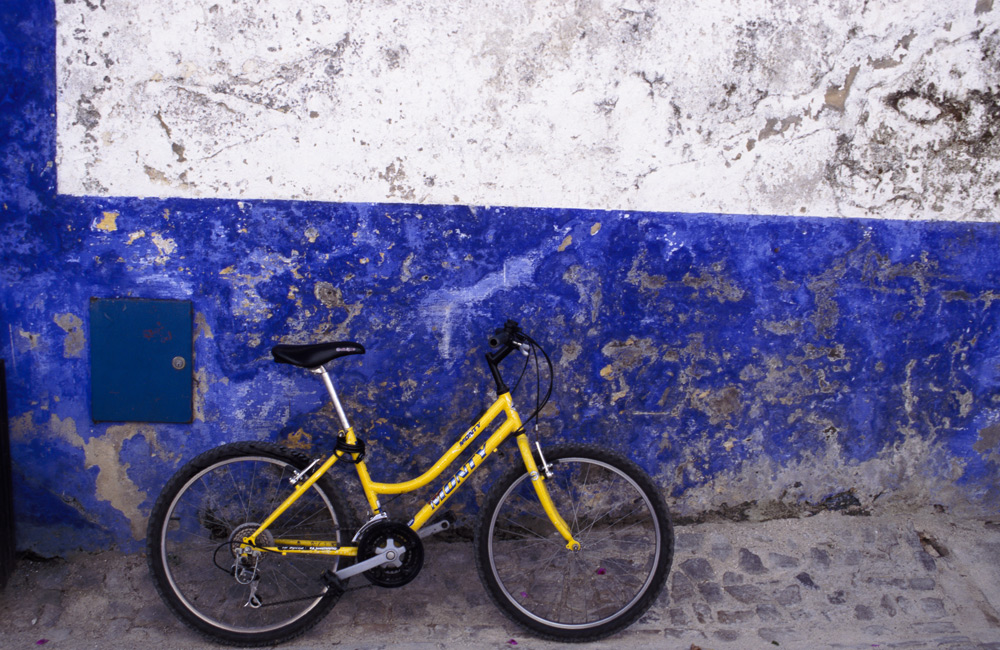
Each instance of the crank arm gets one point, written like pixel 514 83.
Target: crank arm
pixel 370 563
pixel 434 529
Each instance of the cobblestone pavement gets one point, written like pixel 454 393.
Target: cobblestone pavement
pixel 909 581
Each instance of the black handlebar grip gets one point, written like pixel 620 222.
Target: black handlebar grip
pixel 500 337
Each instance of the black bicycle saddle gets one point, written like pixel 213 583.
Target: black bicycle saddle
pixel 316 354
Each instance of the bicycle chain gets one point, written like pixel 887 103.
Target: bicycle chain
pixel 295 600
pixel 280 602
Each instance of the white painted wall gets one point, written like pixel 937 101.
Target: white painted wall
pixel 756 106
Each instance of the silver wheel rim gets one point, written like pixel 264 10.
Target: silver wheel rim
pixel 592 568
pixel 228 585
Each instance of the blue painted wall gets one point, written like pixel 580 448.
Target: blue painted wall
pixel 738 358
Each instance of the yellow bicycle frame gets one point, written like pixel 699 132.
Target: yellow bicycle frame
pixel 372 489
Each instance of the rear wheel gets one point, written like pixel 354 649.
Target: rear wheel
pixel 195 530
pixel 626 546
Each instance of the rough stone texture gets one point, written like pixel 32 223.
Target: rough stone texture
pixel 107 600
pixel 698 569
pixel 751 563
pixel 843 108
pixel 881 390
pixel 756 366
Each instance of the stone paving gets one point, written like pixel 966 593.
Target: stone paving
pixel 850 582
pixel 909 581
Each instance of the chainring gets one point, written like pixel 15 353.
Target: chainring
pixel 392 535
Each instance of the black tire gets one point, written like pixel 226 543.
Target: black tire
pixel 216 498
pixel 627 542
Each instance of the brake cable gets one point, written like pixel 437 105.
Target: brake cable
pixel 540 401
pixel 521 376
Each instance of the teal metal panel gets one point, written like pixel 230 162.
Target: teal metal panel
pixel 140 360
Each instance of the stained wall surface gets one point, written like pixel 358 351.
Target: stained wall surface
pixel 834 108
pixel 760 242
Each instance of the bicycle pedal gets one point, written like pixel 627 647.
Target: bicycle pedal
pixel 446 521
pixel 330 579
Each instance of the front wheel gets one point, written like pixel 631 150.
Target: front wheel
pixel 626 546
pixel 194 535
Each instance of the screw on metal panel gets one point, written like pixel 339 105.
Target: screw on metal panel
pixel 179 363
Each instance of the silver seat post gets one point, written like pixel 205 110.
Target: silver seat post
pixel 321 371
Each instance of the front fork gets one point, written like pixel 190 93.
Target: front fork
pixel 538 482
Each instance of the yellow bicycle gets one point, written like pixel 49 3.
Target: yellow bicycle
pixel 250 544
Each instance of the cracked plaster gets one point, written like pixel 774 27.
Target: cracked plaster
pixel 846 108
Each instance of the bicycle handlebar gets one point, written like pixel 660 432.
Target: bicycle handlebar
pixel 499 338
pixel 505 340
pixel 503 336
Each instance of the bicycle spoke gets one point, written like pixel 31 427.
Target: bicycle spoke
pixel 232 497
pixel 238 491
pixel 620 519
pixel 576 590
pixel 530 532
pixel 576 503
pixel 292 526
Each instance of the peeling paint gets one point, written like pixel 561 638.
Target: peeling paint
pixel 988 444
pixel 836 96
pixel 588 286
pixel 626 356
pixel 300 439
pixel 788 327
pixel 74 342
pixel 405 275
pixel 22 427
pixel 773 359
pixel 104 452
pixel 113 482
pixel 714 282
pixel 202 385
pixel 164 245
pixel 914 472
pixel 203 329
pixel 720 406
pixel 329 295
pixel 108 222
pixel 864 109
pixel 31 337
pixel 710 356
